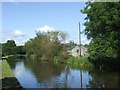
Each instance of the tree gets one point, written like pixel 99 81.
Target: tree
pixel 102 27
pixel 19 50
pixel 86 45
pixel 45 45
pixel 8 48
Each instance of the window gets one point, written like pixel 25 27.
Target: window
pixel 77 50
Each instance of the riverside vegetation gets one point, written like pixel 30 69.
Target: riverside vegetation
pixel 103 48
pixel 6 71
pixel 8 77
pixel 102 27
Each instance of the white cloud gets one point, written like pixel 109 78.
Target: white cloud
pixel 18 36
pixel 46 29
pixel 20 41
pixel 11 33
pixel 18 33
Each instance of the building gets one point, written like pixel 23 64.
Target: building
pixel 76 51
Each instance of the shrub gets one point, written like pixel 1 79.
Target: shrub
pixel 81 62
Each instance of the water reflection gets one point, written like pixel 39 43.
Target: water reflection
pixel 43 69
pixel 103 79
pixel 45 74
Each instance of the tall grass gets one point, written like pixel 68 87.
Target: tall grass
pixel 80 62
pixel 58 60
pixel 75 62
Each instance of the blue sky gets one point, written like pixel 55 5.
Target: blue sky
pixel 20 20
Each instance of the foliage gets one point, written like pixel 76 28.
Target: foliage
pixel 81 62
pixel 45 45
pixel 102 27
pixel 105 63
pixel 57 60
pixel 19 50
pixel 61 58
pixel 86 45
pixel 10 48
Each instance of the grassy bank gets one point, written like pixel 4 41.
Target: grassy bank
pixel 8 79
pixel 75 62
pixel 80 63
pixel 6 71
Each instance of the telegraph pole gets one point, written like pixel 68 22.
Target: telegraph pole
pixel 79 39
pixel 80 55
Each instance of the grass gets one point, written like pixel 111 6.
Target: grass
pixel 8 78
pixel 75 62
pixel 6 71
pixel 80 62
pixel 59 60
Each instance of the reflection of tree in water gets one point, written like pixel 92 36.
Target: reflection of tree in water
pixel 103 79
pixel 48 74
pixel 13 60
pixel 43 69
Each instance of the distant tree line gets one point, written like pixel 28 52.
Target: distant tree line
pixel 45 46
pixel 10 48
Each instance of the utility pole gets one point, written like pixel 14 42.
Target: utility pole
pixel 79 39
pixel 80 55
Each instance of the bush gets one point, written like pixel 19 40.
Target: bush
pixel 64 55
pixel 44 58
pixel 81 62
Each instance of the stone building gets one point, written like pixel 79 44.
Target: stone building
pixel 76 51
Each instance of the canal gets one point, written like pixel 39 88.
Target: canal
pixel 46 74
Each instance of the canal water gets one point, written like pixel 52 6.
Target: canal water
pixel 46 74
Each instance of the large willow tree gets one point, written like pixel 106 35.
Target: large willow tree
pixel 103 28
pixel 45 45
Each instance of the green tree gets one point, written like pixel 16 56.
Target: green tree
pixel 86 45
pixel 102 27
pixel 8 48
pixel 45 45
pixel 19 50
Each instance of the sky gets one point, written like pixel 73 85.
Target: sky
pixel 21 20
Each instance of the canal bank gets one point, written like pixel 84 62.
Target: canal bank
pixel 9 81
